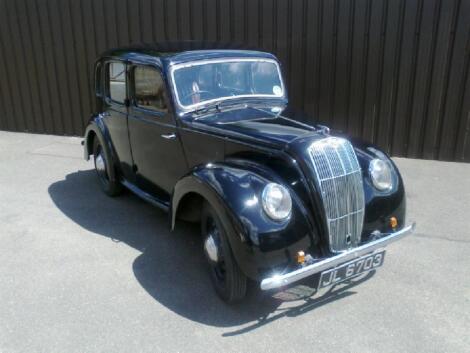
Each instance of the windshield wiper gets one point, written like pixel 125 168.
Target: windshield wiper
pixel 205 109
pixel 231 104
pixel 217 106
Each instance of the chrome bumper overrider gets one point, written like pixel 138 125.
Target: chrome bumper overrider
pixel 330 262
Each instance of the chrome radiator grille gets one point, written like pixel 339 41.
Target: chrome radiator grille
pixel 340 180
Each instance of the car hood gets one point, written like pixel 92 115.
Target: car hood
pixel 271 126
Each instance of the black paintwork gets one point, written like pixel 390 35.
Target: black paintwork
pixel 226 156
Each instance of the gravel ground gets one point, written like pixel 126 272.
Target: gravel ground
pixel 82 272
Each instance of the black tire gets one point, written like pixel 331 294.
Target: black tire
pixel 110 187
pixel 228 279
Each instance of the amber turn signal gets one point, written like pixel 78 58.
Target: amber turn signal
pixel 300 257
pixel 393 222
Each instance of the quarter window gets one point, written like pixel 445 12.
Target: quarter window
pixel 149 89
pixel 117 81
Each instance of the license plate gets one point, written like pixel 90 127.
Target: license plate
pixel 351 269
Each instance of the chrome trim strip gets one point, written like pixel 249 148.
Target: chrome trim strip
pixel 330 262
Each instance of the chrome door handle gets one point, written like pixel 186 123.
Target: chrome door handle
pixel 169 136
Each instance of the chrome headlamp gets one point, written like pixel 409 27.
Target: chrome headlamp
pixel 381 174
pixel 276 201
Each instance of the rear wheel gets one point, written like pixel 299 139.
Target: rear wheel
pixel 227 278
pixel 110 187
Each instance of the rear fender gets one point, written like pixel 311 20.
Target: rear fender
pixel 97 129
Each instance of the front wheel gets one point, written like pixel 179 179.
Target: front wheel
pixel 228 279
pixel 110 187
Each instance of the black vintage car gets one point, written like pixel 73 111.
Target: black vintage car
pixel 207 135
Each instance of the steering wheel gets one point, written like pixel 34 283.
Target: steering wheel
pixel 199 92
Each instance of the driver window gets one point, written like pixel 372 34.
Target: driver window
pixel 149 89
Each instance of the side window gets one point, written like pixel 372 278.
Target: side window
pixel 149 89
pixel 116 81
pixel 98 85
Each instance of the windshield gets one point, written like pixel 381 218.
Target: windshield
pixel 199 83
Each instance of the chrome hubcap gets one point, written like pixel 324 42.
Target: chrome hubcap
pixel 214 253
pixel 211 249
pixel 100 165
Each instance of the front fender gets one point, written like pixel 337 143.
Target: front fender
pixel 257 241
pixel 380 205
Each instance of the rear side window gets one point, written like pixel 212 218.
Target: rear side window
pixel 116 78
pixel 149 89
pixel 98 88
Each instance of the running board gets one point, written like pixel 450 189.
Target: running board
pixel 145 196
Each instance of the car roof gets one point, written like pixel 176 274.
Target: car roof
pixel 184 51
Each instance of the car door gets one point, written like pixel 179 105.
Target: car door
pixel 157 151
pixel 115 110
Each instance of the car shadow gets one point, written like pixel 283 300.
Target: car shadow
pixel 171 266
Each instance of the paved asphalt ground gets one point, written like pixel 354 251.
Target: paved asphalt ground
pixel 82 272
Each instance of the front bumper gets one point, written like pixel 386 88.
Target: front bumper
pixel 281 280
